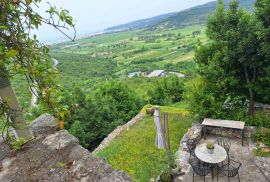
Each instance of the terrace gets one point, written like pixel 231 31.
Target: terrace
pixel 253 168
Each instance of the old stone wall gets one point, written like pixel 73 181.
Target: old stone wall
pixel 54 156
pixel 195 132
pixel 262 108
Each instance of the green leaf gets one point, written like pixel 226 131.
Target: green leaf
pixel 11 53
pixel 3 27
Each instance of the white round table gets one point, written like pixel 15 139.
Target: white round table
pixel 219 154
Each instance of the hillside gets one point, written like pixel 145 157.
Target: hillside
pixel 143 23
pixel 191 16
pixel 197 14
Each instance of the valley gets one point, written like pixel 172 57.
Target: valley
pixel 116 55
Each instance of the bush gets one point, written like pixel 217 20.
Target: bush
pixel 166 91
pixel 209 102
pixel 95 116
pixel 166 177
pixel 259 119
pixel 201 100
pixel 262 135
pixel 78 131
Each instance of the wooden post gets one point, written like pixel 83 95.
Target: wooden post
pixel 7 95
pixel 166 129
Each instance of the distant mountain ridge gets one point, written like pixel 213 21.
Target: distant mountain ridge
pixel 194 15
pixel 143 23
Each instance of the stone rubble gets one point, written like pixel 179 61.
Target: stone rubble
pixel 41 159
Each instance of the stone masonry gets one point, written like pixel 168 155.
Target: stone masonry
pixel 54 156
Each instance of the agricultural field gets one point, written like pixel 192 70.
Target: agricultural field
pixel 90 61
pixel 115 55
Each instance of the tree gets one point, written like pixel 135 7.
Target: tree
pixel 21 53
pixel 166 90
pixel 93 117
pixel 262 13
pixel 231 62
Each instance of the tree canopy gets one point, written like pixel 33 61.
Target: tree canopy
pixel 22 53
pixel 232 63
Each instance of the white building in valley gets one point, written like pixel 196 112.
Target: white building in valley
pixel 157 73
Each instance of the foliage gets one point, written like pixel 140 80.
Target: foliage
pixel 260 119
pixel 230 66
pixel 166 90
pixel 77 130
pixel 16 145
pixel 22 54
pixel 263 33
pixel 166 176
pixel 210 145
pixel 262 135
pixel 201 100
pixel 139 143
pixel 95 116
pixel 231 57
pixel 170 159
pixel 208 102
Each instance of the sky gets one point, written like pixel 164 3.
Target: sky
pixel 95 15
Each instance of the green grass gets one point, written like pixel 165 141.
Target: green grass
pixel 134 151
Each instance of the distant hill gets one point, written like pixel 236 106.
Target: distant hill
pixel 143 23
pixel 194 15
pixel 197 14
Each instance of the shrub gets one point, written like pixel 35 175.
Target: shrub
pixel 202 101
pixel 166 177
pixel 259 119
pixel 262 135
pixel 94 117
pixel 166 91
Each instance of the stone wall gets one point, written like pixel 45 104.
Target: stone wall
pixel 118 131
pixel 195 132
pixel 248 130
pixel 54 156
pixel 262 107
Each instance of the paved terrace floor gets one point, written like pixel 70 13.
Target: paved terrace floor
pixel 249 172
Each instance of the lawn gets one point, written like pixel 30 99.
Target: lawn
pixel 134 151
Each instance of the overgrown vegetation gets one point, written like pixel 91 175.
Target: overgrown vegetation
pixel 22 55
pixel 262 135
pixel 233 66
pixel 134 151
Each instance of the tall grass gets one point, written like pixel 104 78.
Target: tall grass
pixel 134 151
